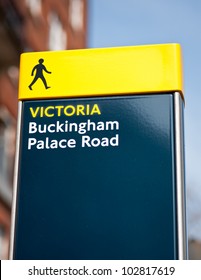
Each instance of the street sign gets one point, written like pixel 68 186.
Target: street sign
pixel 99 163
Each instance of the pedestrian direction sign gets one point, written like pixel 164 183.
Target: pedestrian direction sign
pixel 99 164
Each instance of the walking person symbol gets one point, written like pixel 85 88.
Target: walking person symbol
pixel 38 69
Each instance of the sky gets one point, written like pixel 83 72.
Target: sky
pixel 140 22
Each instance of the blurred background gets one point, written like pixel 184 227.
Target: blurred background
pixel 40 25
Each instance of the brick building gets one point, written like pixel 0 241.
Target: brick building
pixel 28 25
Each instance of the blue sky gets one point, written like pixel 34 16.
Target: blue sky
pixel 140 22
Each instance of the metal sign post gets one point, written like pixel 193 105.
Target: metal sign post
pixel 99 164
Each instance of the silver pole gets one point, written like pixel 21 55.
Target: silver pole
pixel 180 178
pixel 15 180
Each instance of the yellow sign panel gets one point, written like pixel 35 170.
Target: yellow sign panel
pixel 99 72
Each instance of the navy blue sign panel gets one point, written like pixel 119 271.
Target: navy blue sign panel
pixel 97 179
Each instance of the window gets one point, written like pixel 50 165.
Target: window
pixel 34 7
pixel 7 150
pixel 57 35
pixel 76 11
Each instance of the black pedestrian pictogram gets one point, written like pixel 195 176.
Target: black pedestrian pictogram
pixel 38 69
